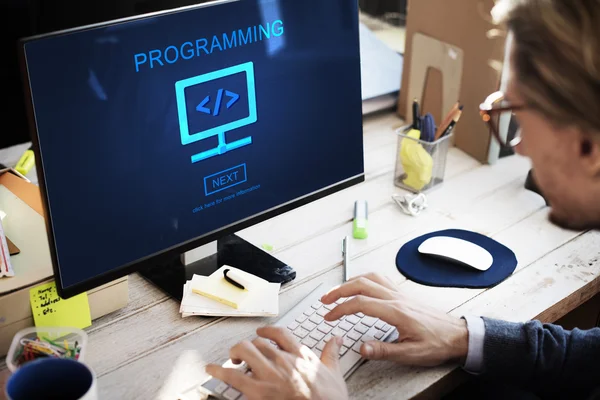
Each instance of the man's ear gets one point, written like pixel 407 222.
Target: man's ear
pixel 590 153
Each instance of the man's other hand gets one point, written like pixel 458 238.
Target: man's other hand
pixel 289 371
pixel 427 337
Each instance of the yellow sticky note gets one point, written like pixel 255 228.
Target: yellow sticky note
pixel 50 310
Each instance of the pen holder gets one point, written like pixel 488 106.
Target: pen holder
pixel 420 165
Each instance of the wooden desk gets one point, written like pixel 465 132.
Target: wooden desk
pixel 148 351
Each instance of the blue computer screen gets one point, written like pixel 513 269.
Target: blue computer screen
pixel 156 131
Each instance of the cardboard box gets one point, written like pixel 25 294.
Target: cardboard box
pixel 25 226
pixel 460 25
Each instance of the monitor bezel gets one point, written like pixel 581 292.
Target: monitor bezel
pixel 166 254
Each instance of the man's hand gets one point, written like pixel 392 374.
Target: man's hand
pixel 427 337
pixel 291 372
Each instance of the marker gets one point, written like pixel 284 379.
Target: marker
pixel 26 162
pixel 359 225
pixel 235 279
pixel 416 115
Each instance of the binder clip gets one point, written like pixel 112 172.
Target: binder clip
pixel 411 204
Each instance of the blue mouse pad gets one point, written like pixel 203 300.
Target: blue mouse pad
pixel 431 271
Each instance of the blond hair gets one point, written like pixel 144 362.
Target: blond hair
pixel 556 57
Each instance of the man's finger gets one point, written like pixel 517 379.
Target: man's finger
pixel 398 352
pixel 359 286
pixel 381 309
pixel 233 377
pixel 258 363
pixel 284 339
pixel 378 278
pixel 331 353
pixel 272 353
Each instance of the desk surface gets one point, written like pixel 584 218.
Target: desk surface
pixel 148 351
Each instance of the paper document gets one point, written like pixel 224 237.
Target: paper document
pixel 262 299
pixel 381 66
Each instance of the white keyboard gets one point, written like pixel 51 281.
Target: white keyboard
pixel 306 323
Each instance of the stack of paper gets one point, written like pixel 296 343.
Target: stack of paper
pixel 259 299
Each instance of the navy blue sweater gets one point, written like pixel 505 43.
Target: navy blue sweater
pixel 543 358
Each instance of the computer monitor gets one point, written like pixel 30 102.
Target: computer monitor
pixel 160 133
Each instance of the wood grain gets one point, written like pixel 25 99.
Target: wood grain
pixel 147 350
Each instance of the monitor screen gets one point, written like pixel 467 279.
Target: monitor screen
pixel 156 133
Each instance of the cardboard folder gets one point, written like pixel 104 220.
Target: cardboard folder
pixel 463 25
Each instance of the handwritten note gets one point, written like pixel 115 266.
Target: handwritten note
pixel 50 310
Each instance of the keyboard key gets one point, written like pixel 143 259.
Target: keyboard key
pixel 361 328
pixel 360 315
pixel 379 335
pixel 327 337
pixel 349 360
pixel 309 326
pixel 386 327
pixel 309 312
pixel 292 325
pixel 317 305
pixel 330 306
pixel 370 335
pixel 345 326
pixel 323 327
pixel 301 318
pixel 322 311
pixel 379 324
pixel 309 342
pixel 368 321
pixel 317 335
pixel 341 300
pixel 337 332
pixel 343 350
pixel 231 394
pixel 354 335
pixel 333 323
pixel 357 346
pixel 321 345
pixel 301 332
pixel 315 319
pixel 348 342
pixel 352 319
pixel 317 352
pixel 221 387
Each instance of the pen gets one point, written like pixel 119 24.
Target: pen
pixel 346 260
pixel 416 115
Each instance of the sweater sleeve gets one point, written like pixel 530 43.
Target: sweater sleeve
pixel 544 358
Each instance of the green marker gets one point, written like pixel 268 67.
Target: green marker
pixel 359 226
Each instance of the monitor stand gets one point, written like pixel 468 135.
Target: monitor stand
pixel 230 250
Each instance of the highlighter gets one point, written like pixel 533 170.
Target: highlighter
pixel 26 162
pixel 359 226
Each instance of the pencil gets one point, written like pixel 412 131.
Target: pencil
pixel 447 120
pixel 453 123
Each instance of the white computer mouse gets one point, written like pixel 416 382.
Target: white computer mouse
pixel 457 250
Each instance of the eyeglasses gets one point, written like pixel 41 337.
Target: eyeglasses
pixel 495 110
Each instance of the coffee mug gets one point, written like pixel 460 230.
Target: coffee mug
pixel 52 378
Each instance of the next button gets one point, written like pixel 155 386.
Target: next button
pixel 225 179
